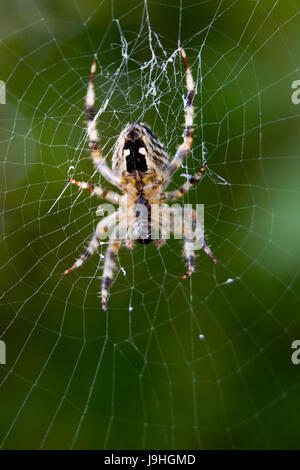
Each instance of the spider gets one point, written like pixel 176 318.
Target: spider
pixel 141 169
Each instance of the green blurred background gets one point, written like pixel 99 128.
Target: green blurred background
pixel 203 364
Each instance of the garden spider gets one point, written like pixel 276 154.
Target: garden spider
pixel 141 170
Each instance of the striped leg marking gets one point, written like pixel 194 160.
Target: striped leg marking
pixel 99 162
pixel 102 228
pixel 208 251
pixel 93 245
pixel 188 135
pixel 178 193
pixel 190 253
pixel 190 257
pixel 110 196
pixel 205 246
pixel 108 271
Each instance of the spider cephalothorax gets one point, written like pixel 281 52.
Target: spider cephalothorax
pixel 138 149
pixel 141 169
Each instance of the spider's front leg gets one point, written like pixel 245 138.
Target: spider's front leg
pixel 102 227
pixel 99 162
pixel 188 135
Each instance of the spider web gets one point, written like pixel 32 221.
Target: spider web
pixel 203 363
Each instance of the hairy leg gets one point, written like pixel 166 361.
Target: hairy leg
pixel 102 227
pixel 178 193
pixel 99 162
pixel 110 196
pixel 192 232
pixel 186 146
pixel 108 270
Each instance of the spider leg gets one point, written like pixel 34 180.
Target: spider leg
pixel 110 196
pixel 208 251
pixel 190 258
pixel 108 270
pixel 188 231
pixel 178 193
pixel 205 246
pixel 129 244
pixel 186 146
pixel 101 229
pixel 99 162
pixel 159 243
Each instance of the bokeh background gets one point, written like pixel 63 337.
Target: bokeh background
pixel 203 364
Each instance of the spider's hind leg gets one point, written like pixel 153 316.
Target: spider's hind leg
pixel 93 245
pixel 190 257
pixel 208 251
pixel 189 246
pixel 108 271
pixel 102 227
